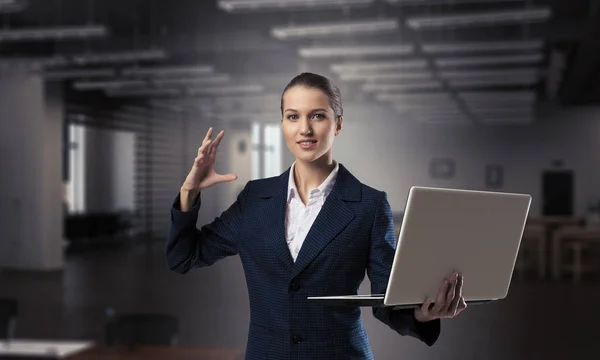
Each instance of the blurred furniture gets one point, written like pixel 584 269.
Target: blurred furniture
pixel 132 330
pixel 160 353
pixel 8 318
pixel 95 227
pixel 84 350
pixel 533 250
pixel 552 222
pixel 41 349
pixel 577 239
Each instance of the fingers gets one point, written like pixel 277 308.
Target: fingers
pixel 453 309
pixel 450 296
pixel 208 135
pixel 440 302
pixel 461 306
pixel 215 145
pixel 425 308
pixel 227 177
pixel 210 146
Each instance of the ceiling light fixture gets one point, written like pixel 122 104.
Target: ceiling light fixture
pixel 489 60
pixel 378 66
pixel 529 15
pixel 340 28
pixel 57 33
pixel 345 51
pixel 257 5
pixel 487 46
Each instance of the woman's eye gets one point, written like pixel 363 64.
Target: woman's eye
pixel 293 117
pixel 319 116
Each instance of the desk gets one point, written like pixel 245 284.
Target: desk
pixel 159 353
pixel 573 233
pixel 41 349
pixel 556 221
pixel 81 350
pixel 537 234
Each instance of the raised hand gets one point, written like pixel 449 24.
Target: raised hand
pixel 449 302
pixel 203 175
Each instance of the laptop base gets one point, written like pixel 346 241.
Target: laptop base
pixel 371 301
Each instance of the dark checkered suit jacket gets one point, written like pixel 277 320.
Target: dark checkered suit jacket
pixel 353 232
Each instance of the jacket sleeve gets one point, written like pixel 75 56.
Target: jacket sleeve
pixel 188 247
pixel 383 247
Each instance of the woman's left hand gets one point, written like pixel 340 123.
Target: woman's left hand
pixel 449 302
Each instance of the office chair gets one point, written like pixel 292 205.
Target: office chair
pixel 141 329
pixel 8 318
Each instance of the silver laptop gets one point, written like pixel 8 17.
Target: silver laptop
pixel 476 233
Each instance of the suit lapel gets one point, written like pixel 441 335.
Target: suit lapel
pixel 334 216
pixel 274 220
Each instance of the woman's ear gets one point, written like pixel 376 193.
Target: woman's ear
pixel 338 125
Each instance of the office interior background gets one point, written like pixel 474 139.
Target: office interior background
pixel 103 105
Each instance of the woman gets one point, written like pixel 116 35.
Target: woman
pixel 312 231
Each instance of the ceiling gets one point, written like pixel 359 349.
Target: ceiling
pixel 482 73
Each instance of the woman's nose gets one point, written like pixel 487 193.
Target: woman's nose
pixel 305 128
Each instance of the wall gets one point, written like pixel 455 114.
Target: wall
pixel 31 189
pixel 109 170
pixel 393 155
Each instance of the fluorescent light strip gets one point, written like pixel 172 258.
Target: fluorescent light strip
pixel 525 80
pixel 469 74
pixel 108 85
pixel 431 113
pixel 32 63
pixel 498 95
pixel 436 119
pixel 386 76
pixel 446 2
pixel 246 116
pixel 75 74
pixel 378 66
pixel 216 79
pixel 119 57
pixel 445 121
pixel 343 51
pixel 424 104
pixel 226 90
pixel 489 60
pixel 143 92
pixel 57 33
pixel 239 5
pixel 168 71
pixel 507 120
pixel 491 105
pixel 340 28
pixel 432 108
pixel 500 105
pixel 504 114
pixel 442 48
pixel 409 107
pixel 538 14
pixel 230 100
pixel 425 85
pixel 414 98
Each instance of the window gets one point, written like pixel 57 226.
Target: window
pixel 266 150
pixel 75 186
pixel 272 150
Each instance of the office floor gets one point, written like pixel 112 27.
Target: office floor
pixel 539 320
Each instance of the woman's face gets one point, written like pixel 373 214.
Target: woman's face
pixel 309 123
